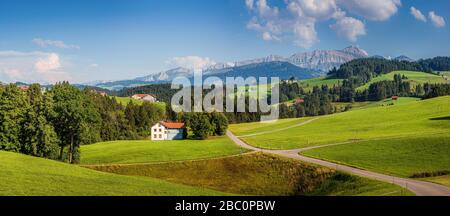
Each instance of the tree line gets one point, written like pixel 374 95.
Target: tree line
pixel 364 69
pixel 53 124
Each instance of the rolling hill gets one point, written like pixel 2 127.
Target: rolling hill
pixel 413 77
pixel 146 151
pixel 259 174
pixel 23 175
pixel 414 118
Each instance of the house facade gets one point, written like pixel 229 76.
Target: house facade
pixel 167 131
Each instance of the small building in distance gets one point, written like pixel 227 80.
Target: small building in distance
pixel 24 88
pixel 145 97
pixel 168 131
pixel 394 98
pixel 299 101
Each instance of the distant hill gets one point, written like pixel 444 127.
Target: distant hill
pixel 301 65
pixel 284 70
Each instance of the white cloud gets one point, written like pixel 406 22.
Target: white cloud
pixel 54 43
pixel 418 14
pixel 319 9
pixel 265 10
pixel 249 4
pixel 298 20
pixel 31 67
pixel 269 37
pixel 377 10
pixel 349 28
pixel 191 62
pixel 305 35
pixel 437 20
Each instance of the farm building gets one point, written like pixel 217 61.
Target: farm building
pixel 299 101
pixel 395 98
pixel 145 97
pixel 168 131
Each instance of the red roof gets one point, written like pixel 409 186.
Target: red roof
pixel 172 125
pixel 143 95
pixel 299 101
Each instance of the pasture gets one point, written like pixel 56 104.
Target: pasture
pixel 413 77
pixel 412 118
pixel 403 157
pixel 126 100
pixel 308 84
pixel 23 175
pixel 147 151
pixel 258 174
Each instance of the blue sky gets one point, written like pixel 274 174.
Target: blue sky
pixel 83 40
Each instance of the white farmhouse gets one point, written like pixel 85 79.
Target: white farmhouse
pixel 168 131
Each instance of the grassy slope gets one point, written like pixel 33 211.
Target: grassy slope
pixel 308 84
pixel 402 156
pixel 256 127
pixel 259 174
pixel 145 151
pixel 29 176
pixel 125 100
pixel 412 118
pixel 413 77
pixel 369 104
pixel 443 180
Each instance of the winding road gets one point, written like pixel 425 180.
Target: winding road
pixel 420 188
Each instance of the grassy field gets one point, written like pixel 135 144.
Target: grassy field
pixel 145 151
pixel 369 104
pixel 443 180
pixel 258 174
pixel 413 118
pixel 29 176
pixel 257 127
pixel 400 156
pixel 125 100
pixel 413 77
pixel 310 83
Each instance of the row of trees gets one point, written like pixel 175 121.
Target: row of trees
pixel 363 70
pixel 202 124
pixel 54 124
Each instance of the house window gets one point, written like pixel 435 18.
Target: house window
pixel 154 136
pixel 160 130
pixel 160 136
pixel 154 130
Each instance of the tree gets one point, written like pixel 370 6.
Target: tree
pixel 71 117
pixel 38 136
pixel 200 125
pixel 13 105
pixel 219 122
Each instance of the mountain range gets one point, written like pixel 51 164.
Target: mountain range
pixel 303 65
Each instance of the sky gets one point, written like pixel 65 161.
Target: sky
pixel 85 40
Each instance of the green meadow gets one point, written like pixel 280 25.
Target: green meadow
pixel 413 76
pixel 443 180
pixel 259 174
pixel 398 156
pixel 385 102
pixel 147 151
pixel 23 175
pixel 126 100
pixel 413 118
pixel 257 127
pixel 310 83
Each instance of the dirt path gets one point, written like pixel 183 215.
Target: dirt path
pixel 420 188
